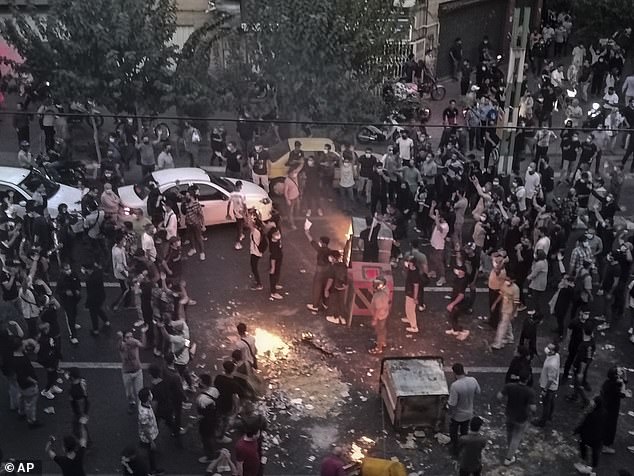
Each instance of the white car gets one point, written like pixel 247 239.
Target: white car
pixel 24 182
pixel 214 192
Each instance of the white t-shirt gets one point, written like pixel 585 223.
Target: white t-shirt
pixel 611 99
pixel 238 203
pixel 147 243
pixel 438 236
pixel 405 147
pixel 557 78
pixel 170 223
pixel 256 236
pixel 531 183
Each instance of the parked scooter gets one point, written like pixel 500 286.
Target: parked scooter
pixel 390 131
pixel 81 114
pixel 61 171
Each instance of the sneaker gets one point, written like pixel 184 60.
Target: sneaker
pixel 342 321
pixel 422 307
pixel 139 323
pixel 204 460
pixel 49 410
pixel 279 287
pixel 276 296
pixel 451 332
pixel 630 449
pixel 106 324
pixel 332 319
pixel 463 335
pixel 201 256
pixel 405 320
pixel 257 287
pixel 320 212
pixel 77 326
pixel 47 394
pixel 224 440
pixel 241 237
pixel 182 431
pixel 630 331
pixel 312 308
pixel 510 461
pixel 413 330
pixel 74 340
pixel 599 292
pixel 237 246
pixel 56 389
pixel 191 252
pixel 607 450
pixel 441 282
pixel 603 327
pixel 583 468
pixel 308 213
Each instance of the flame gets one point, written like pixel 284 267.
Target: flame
pixel 271 344
pixel 356 453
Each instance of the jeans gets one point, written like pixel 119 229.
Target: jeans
pixel 262 181
pixel 27 403
pixel 364 188
pixel 124 296
pixel 410 311
pixel 151 455
pixel 548 406
pixel 381 333
pixel 319 284
pixel 454 426
pixel 504 334
pixel 239 229
pixel 347 198
pixel 274 278
pixel 14 393
pixel 97 313
pixel 196 237
pixel 132 383
pixel 494 316
pixel 437 263
pixel 514 433
pixel 541 303
pixel 255 260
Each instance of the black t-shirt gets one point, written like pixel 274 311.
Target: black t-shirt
pixel 12 292
pixel 548 179
pixel 588 149
pixel 275 249
pixel 370 244
pixel 23 369
pixel 583 193
pixel 233 164
pixel 459 287
pixel 612 271
pixel 608 210
pixel 339 274
pixel 585 353
pixel 260 163
pixel 227 387
pixel 367 165
pixel 72 467
pixel 519 398
pixel 569 148
pixel 162 397
pixel 450 115
pixel 323 252
pixel 411 280
pixel 295 157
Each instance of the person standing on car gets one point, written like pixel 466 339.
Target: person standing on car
pixel 237 209
pixel 191 139
pixel 146 155
pixel 165 159
pixel 261 165
pixel 194 220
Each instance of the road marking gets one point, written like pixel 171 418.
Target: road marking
pixel 117 366
pixel 83 285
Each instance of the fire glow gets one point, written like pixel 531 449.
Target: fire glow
pixel 270 344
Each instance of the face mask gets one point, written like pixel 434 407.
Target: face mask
pixel 531 172
pixel 111 140
pixel 326 151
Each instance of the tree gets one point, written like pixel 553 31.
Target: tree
pixel 600 19
pixel 117 53
pixel 321 58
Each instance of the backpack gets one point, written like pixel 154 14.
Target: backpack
pixel 263 245
pixel 209 412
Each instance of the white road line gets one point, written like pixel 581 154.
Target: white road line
pixel 117 366
pixel 83 285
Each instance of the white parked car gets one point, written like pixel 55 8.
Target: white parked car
pixel 24 182
pixel 214 192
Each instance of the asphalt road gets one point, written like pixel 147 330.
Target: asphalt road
pixel 221 287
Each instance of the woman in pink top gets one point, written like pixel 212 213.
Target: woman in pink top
pixel 291 193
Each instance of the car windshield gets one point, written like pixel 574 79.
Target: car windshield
pixel 224 183
pixel 33 181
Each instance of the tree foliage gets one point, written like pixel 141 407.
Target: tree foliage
pixel 322 58
pixel 115 52
pixel 600 19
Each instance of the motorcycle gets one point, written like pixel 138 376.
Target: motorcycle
pixel 67 172
pixel 82 114
pixel 390 131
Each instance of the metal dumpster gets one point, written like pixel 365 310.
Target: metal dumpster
pixel 414 391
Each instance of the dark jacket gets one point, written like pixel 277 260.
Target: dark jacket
pixel 95 291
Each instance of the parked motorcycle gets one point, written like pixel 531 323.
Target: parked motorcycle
pixel 67 172
pixel 371 134
pixel 81 114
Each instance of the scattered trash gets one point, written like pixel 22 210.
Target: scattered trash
pixel 311 458
pixel 609 347
pixel 603 327
pixel 49 410
pixel 419 434
pixel 442 439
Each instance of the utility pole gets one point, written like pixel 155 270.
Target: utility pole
pixel 514 79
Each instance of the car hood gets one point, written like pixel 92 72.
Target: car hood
pixel 253 192
pixel 129 198
pixel 71 196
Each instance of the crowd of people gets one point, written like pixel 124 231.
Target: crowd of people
pixel 448 207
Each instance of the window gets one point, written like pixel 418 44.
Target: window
pixel 208 193
pixel 18 196
pixel 33 181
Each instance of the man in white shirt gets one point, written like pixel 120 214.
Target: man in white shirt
pixel 165 159
pixel 170 222
pixel 549 383
pixel 531 181
pixel 461 396
pixel 557 77
pixel 438 237
pixel 147 243
pixel 611 98
pixel 405 146
pixel 25 159
pixel 120 271
pixel 237 205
